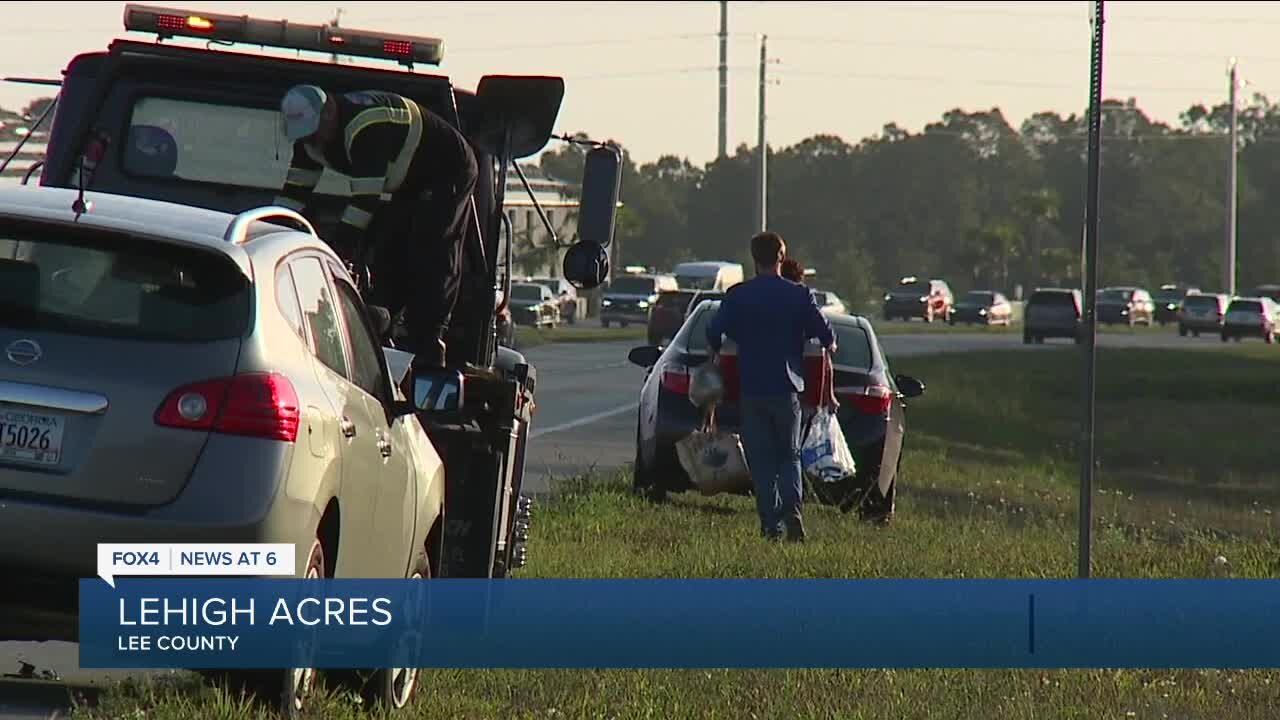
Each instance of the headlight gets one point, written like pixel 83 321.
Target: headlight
pixel 643 304
pixel 924 298
pixel 606 303
pixel 982 311
pixel 1172 306
pixel 887 297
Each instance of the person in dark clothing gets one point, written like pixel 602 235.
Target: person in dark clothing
pixel 771 319
pixel 389 144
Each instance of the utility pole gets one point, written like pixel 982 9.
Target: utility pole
pixel 1229 264
pixel 337 22
pixel 1090 296
pixel 724 80
pixel 762 186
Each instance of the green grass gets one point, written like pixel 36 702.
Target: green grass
pixel 1186 474
pixel 527 337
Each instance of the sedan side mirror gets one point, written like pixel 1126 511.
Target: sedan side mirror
pixel 438 390
pixel 909 386
pixel 645 356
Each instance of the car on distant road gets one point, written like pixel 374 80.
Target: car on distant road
pixel 565 293
pixel 1168 301
pixel 1202 312
pixel 872 412
pixel 173 374
pixel 628 299
pixel 1251 317
pixel 534 305
pixel 982 307
pixel 1052 313
pixel 915 298
pixel 829 302
pixel 716 275
pixel 1267 291
pixel 1125 306
pixel 667 315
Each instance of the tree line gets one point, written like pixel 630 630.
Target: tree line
pixel 974 201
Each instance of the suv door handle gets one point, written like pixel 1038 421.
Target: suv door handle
pixel 348 428
pixel 384 446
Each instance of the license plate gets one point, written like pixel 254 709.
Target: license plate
pixel 30 437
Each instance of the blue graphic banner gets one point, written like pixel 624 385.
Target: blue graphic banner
pixel 695 623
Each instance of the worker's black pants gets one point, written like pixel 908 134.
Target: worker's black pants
pixel 417 264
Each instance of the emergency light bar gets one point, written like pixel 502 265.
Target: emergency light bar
pixel 173 22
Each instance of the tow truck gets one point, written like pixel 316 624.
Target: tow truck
pixel 199 126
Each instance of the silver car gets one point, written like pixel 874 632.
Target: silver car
pixel 174 374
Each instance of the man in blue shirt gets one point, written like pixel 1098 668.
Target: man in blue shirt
pixel 771 319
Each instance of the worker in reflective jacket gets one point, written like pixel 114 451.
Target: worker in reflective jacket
pixel 389 146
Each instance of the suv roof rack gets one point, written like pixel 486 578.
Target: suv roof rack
pixel 238 229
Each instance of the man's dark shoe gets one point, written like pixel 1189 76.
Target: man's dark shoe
pixel 795 531
pixel 771 535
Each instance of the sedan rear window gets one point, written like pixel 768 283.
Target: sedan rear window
pixel 853 347
pixel 1053 299
pixel 111 285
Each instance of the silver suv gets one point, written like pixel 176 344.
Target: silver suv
pixel 174 374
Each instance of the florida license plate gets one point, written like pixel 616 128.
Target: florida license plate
pixel 30 437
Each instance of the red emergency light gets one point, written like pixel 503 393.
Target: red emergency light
pixel 174 22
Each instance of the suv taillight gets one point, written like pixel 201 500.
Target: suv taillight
pixel 262 405
pixel 871 400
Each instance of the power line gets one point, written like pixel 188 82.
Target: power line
pixel 1033 84
pixel 587 43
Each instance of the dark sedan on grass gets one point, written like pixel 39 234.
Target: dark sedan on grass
pixel 872 412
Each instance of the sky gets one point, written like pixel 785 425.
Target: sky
pixel 644 73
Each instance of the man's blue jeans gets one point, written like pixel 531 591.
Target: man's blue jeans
pixel 771 439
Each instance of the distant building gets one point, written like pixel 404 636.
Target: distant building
pixel 559 201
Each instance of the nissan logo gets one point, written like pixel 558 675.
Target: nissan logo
pixel 23 352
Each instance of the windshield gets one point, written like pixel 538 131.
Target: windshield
pixel 526 292
pixel 978 297
pixel 93 283
pixel 1166 295
pixel 1115 295
pixel 696 282
pixel 213 143
pixel 632 286
pixel 919 287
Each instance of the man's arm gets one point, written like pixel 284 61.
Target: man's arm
pixel 718 326
pixel 304 174
pixel 371 151
pixel 817 325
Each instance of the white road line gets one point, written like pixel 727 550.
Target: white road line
pixel 583 420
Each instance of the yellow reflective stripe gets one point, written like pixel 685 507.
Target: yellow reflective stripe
pixel 303 177
pixel 367 186
pixel 413 137
pixel 288 202
pixel 357 217
pixel 372 116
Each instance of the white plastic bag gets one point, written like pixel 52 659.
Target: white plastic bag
pixel 824 454
pixel 714 459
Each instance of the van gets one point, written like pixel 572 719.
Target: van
pixel 629 298
pixel 708 275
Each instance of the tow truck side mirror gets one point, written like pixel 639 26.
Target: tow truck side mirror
pixel 601 185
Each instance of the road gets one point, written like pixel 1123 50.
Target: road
pixel 585 421
pixel 587 394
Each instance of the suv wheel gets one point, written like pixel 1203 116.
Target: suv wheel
pixel 394 688
pixel 1182 330
pixel 300 684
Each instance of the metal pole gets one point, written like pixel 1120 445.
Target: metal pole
pixel 1229 264
pixel 724 79
pixel 1091 295
pixel 763 150
pixel 337 22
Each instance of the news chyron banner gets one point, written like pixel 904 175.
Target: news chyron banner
pixel 150 612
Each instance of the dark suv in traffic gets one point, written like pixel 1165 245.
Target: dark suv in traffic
pixel 1052 313
pixel 1169 299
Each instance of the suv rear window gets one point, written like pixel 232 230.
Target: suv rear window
pixel 1052 299
pixel 213 143
pixel 111 285
pixel 1196 302
pixel 633 286
pixel 1246 306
